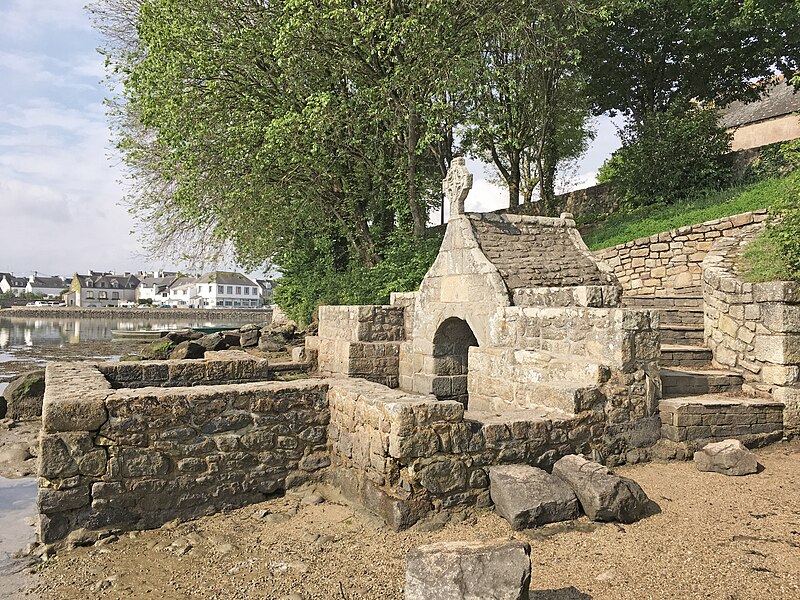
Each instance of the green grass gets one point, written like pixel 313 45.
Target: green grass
pixel 645 221
pixel 762 260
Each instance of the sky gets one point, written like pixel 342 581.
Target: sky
pixel 61 190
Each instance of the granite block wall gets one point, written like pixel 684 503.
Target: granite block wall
pixel 137 458
pixel 669 263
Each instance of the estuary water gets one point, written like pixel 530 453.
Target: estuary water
pixel 27 343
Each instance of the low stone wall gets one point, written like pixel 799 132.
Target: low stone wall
pixel 215 368
pixel 403 455
pixel 753 328
pixel 253 315
pixel 694 423
pixel 588 203
pixel 135 459
pixel 359 341
pixel 669 263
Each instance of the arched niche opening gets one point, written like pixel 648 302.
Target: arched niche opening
pixel 451 345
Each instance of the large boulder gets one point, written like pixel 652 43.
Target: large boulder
pixel 528 497
pixel 24 396
pixel 248 335
pixel 187 349
pixel 729 457
pixel 214 341
pixel 603 495
pixel 494 570
pixel 3 407
pixel 158 350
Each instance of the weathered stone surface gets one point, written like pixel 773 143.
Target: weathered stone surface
pixel 249 337
pixel 496 570
pixel 76 412
pixel 186 350
pixel 444 477
pixel 213 341
pixel 528 497
pixel 729 457
pixel 183 335
pixel 24 396
pixel 602 495
pixel 3 407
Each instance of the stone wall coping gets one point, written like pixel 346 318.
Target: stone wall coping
pixel 759 215
pixel 520 218
pixel 712 401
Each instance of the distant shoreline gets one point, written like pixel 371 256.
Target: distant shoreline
pixel 250 315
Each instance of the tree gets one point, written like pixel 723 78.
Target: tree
pixel 529 110
pixel 650 54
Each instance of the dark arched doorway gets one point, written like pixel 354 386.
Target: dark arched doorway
pixel 450 359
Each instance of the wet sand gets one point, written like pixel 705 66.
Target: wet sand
pixel 716 537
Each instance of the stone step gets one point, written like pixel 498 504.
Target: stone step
pixel 567 397
pixel 677 382
pixel 692 299
pixel 697 420
pixel 681 316
pixel 674 355
pixel 682 335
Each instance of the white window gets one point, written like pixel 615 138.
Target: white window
pixel 115 295
pixel 247 291
pixel 238 290
pixel 230 289
pixel 220 289
pixel 90 295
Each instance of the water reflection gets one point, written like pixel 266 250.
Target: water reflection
pixel 17 503
pixel 21 332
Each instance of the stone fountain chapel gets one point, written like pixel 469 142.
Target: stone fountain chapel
pixel 517 332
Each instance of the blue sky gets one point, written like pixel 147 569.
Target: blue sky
pixel 61 208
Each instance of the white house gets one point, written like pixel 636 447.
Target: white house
pixel 52 287
pixel 154 287
pixel 182 293
pixel 217 289
pixel 10 283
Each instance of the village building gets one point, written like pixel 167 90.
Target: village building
pixel 15 285
pixel 770 120
pixel 51 287
pixel 98 290
pixel 154 287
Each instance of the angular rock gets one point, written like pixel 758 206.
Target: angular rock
pixel 213 341
pixel 496 570
pixel 528 497
pixel 3 407
pixel 231 339
pixel 183 335
pixel 729 457
pixel 187 350
pixel 24 396
pixel 602 495
pixel 158 350
pixel 249 338
pixel 268 344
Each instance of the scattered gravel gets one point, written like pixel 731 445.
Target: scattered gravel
pixel 715 537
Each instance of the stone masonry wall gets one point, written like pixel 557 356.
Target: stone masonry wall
pixel 669 263
pixel 403 455
pixel 137 458
pixel 754 328
pixel 360 341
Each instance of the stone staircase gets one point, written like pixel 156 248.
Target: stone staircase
pixel 700 403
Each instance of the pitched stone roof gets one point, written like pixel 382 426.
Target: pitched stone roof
pixel 54 282
pixel 226 278
pixel 533 252
pixel 109 281
pixel 779 99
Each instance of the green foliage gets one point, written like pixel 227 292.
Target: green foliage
pixel 671 155
pixel 784 235
pixel 644 221
pixel 774 160
pixel 310 279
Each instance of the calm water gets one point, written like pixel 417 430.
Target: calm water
pixel 17 503
pixel 27 343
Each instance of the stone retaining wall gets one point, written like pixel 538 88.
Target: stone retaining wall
pixel 669 263
pixel 135 459
pixel 753 328
pixel 254 315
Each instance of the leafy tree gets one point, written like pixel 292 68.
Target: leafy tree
pixel 653 164
pixel 651 54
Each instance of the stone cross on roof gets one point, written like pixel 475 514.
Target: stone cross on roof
pixel 456 186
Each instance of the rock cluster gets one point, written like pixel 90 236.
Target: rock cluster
pixel 528 497
pixel 729 457
pixel 189 344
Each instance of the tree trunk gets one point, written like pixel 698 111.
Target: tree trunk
pixel 418 215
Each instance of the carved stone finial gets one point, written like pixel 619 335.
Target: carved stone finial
pixel 456 186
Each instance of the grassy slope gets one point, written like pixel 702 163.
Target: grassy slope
pixel 642 222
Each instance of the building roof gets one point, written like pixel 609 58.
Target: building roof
pixel 50 282
pixel 14 282
pixel 532 252
pixel 226 278
pixel 97 280
pixel 779 99
pixel 151 281
pixel 182 281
